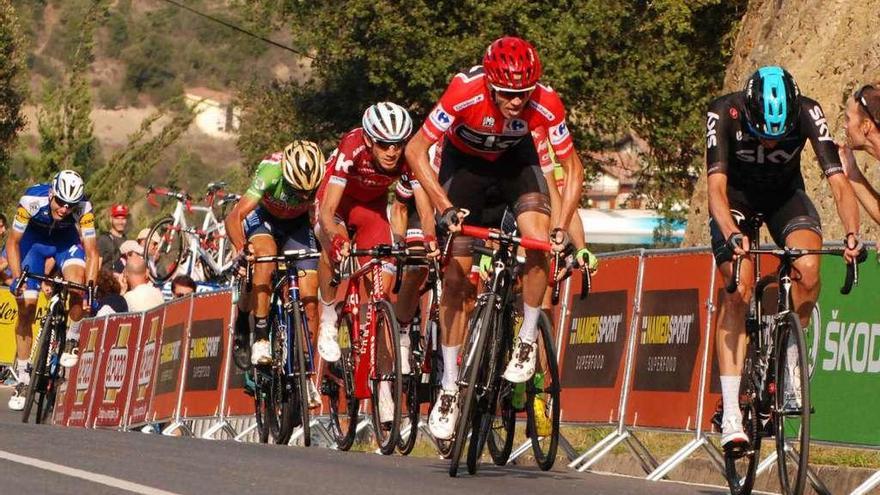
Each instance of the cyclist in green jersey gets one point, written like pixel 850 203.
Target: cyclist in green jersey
pixel 276 214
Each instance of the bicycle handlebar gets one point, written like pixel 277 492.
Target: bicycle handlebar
pixel 490 234
pixel 56 282
pixel 182 196
pixel 852 269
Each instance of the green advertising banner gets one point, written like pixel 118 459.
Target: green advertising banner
pixel 844 345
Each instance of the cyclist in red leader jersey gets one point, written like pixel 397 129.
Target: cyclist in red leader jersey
pixel 490 159
pixel 354 196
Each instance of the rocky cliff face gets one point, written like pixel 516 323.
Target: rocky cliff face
pixel 830 47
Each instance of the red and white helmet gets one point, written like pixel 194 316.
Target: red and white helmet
pixel 387 122
pixel 512 64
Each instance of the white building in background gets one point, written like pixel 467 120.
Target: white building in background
pixel 216 115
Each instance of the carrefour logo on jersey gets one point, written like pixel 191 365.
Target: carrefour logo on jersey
pixel 516 127
pixel 440 118
pixel 558 133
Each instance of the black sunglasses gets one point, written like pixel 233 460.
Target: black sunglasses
pixel 509 95
pixel 388 144
pixel 860 98
pixel 63 204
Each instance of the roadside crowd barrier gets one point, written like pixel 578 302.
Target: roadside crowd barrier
pixel 637 354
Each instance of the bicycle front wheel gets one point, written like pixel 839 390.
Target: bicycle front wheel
pixel 339 387
pixel 36 391
pixel 411 400
pixel 387 386
pixel 164 250
pixel 741 467
pixel 301 371
pixel 792 403
pixel 542 399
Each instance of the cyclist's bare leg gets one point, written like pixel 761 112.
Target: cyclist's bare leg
pixel 308 290
pixel 75 273
pixel 408 296
pixel 534 225
pixel 27 308
pixel 455 305
pixel 805 290
pixel 730 337
pixel 262 245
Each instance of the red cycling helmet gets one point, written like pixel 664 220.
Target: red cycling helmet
pixel 512 64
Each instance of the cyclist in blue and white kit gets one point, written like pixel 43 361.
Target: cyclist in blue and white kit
pixel 53 220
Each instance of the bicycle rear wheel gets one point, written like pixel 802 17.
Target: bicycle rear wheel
pixel 741 467
pixel 338 386
pixel 480 327
pixel 280 407
pixel 411 400
pixel 266 421
pixel 301 372
pixel 500 441
pixel 36 391
pixel 164 257
pixel 387 375
pixel 542 399
pixel 792 423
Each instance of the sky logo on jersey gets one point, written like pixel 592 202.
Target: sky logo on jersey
pixel 558 133
pixel 440 118
pixel 821 123
pixel 711 132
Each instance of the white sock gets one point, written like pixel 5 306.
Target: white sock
pixel 792 363
pixel 21 370
pixel 450 366
pixel 328 314
pixel 528 333
pixel 730 396
pixel 73 331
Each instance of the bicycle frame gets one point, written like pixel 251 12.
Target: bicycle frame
pixel 283 305
pixel 363 340
pixel 197 239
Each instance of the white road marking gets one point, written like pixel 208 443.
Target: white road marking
pixel 86 475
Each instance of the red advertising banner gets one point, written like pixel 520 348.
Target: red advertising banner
pixel 594 342
pixel 141 388
pixel 169 370
pixel 669 342
pixel 206 361
pixel 91 336
pixel 116 367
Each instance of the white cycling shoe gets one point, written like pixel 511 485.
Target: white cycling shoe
pixel 328 346
pixel 522 365
pixel 444 415
pixel 732 433
pixel 261 354
pixel 19 397
pixel 70 356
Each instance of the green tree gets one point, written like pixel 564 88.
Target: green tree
pixel 640 66
pixel 64 122
pixel 12 93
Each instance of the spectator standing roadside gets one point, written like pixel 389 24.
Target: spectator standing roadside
pixel 109 242
pixel 5 272
pixel 108 292
pixel 141 295
pixel 862 120
pixel 182 285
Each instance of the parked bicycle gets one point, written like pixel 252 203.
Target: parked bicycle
pixel 770 380
pixel 45 358
pixel 175 247
pixel 485 398
pixel 371 360
pixel 281 392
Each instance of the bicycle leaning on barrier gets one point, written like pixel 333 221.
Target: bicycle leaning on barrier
pixel 175 247
pixel 485 399
pixel 45 358
pixel 775 387
pixel 283 390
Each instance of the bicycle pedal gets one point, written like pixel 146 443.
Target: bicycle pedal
pixel 738 451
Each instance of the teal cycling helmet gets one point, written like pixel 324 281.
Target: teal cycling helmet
pixel 772 104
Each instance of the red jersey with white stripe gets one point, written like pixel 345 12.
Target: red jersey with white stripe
pixel 351 165
pixel 472 122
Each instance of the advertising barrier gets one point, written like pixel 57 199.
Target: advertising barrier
pixel 594 343
pixel 146 359
pixel 79 397
pixel 173 342
pixel 114 372
pixel 204 368
pixel 9 320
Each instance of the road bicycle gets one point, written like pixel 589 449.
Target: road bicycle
pixel 487 414
pixel 46 369
pixel 776 361
pixel 175 247
pixel 369 339
pixel 281 396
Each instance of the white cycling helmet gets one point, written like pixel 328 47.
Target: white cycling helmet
pixel 303 165
pixel 387 122
pixel 68 186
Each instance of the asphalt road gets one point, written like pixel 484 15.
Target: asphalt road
pixel 40 459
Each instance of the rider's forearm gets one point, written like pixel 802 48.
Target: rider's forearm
pixel 847 206
pixel 571 193
pixel 398 218
pixel 13 256
pixel 867 196
pixel 235 230
pixel 719 207
pixel 425 212
pixel 417 157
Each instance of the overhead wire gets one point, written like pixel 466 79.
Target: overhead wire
pixel 237 28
